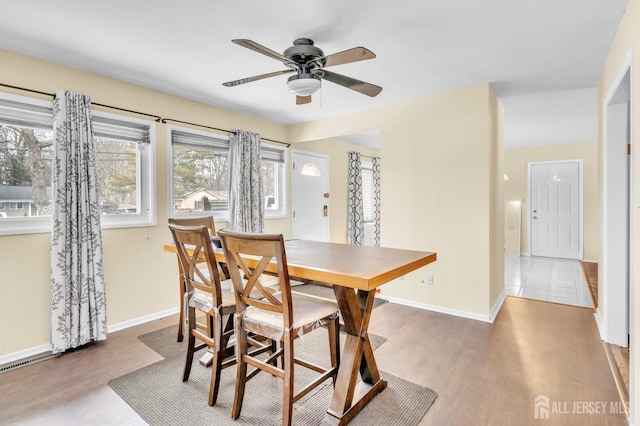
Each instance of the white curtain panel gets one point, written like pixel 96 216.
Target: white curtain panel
pixel 246 201
pixel 78 303
pixel 355 217
pixel 376 199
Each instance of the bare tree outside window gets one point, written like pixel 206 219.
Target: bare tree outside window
pixel 25 169
pixel 116 165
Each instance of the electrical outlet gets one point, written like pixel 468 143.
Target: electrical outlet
pixel 429 279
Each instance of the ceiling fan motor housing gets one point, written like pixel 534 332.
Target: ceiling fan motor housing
pixel 304 51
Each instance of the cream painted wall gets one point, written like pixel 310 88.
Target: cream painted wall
pixel 140 277
pixel 516 168
pixel 496 192
pixel 439 191
pixel 512 217
pixel 338 175
pixel 627 37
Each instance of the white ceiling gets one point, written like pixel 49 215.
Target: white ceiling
pixel 543 58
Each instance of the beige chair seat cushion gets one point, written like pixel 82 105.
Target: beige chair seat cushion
pixel 203 300
pixel 309 313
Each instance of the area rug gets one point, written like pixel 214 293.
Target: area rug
pixel 158 394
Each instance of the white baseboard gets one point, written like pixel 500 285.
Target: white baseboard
pixel 524 253
pixel 137 321
pixel 40 349
pixel 435 308
pixel 495 310
pixel 26 353
pixel 600 324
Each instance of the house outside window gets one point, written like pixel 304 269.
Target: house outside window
pixel 199 174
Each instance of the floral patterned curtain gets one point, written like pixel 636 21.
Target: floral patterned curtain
pixel 355 218
pixel 376 199
pixel 246 200
pixel 78 303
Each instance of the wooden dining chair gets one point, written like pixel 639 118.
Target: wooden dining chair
pixel 208 222
pixel 282 316
pixel 207 296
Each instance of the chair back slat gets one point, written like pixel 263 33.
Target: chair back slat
pixel 259 251
pixel 207 221
pixel 197 257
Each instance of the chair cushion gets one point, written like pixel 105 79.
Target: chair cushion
pixel 203 300
pixel 309 313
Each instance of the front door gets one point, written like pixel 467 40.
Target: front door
pixel 310 196
pixel 555 204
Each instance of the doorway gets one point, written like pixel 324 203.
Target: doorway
pixel 617 217
pixel 615 314
pixel 310 196
pixel 555 217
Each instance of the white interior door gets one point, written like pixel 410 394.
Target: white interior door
pixel 555 206
pixel 310 196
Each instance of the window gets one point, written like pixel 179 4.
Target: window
pixel 125 172
pixel 199 174
pixel 26 153
pixel 2 205
pixel 368 197
pixel 368 203
pixel 273 180
pixel 124 160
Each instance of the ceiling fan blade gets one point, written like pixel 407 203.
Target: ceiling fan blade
pixel 264 50
pixel 350 83
pixel 351 55
pixel 255 77
pixel 301 100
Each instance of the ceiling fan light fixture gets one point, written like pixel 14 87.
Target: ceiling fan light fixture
pixel 303 84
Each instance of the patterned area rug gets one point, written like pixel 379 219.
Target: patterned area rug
pixel 158 394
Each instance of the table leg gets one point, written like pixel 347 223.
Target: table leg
pixel 183 315
pixel 357 358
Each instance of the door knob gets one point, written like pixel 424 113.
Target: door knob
pixel 535 217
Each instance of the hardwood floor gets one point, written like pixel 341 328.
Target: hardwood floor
pixel 590 272
pixel 485 374
pixel 618 356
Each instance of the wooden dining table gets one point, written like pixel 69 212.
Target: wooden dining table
pixel 354 272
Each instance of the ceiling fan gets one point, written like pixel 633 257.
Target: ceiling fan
pixel 308 62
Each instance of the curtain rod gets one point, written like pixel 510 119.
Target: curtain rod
pixel 369 156
pixel 165 120
pixel 157 117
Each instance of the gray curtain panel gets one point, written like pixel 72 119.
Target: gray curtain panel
pixel 78 302
pixel 355 217
pixel 246 200
pixel 376 198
